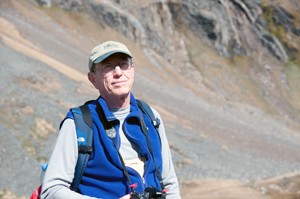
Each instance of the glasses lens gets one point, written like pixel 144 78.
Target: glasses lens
pixel 124 66
pixel 108 69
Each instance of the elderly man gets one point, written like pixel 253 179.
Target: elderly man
pixel 123 164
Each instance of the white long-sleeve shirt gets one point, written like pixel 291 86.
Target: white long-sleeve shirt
pixel 61 166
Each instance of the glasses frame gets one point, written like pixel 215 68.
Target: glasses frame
pixel 109 69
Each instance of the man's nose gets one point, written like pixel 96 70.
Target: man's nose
pixel 117 70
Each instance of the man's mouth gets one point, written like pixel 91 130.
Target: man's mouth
pixel 119 83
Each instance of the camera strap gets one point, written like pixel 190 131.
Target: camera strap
pixel 145 131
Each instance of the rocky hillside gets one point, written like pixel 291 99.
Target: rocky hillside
pixel 246 34
pixel 224 74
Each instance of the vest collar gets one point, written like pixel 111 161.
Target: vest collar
pixel 134 110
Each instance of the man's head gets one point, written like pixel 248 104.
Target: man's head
pixel 106 49
pixel 111 70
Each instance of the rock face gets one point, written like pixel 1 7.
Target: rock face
pixel 233 28
pixel 237 27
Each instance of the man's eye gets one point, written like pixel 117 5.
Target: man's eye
pixel 124 65
pixel 108 66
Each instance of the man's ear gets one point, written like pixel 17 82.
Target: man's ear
pixel 92 78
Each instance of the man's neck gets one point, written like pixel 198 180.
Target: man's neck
pixel 117 101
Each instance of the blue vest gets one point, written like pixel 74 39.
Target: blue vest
pixel 103 176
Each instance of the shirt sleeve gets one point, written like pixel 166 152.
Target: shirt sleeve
pixel 168 172
pixel 60 171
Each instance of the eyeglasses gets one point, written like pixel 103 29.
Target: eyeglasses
pixel 108 69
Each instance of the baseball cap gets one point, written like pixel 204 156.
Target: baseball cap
pixel 106 49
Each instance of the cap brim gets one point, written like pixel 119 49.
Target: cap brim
pixel 106 55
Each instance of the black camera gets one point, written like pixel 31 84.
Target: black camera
pixel 149 193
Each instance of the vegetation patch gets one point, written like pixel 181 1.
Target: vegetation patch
pixel 28 145
pixel 285 26
pixel 42 129
pixel 293 76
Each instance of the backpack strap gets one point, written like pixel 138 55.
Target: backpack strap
pixel 84 132
pixel 148 111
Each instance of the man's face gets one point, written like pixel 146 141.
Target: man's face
pixel 114 76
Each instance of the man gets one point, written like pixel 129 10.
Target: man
pixel 119 163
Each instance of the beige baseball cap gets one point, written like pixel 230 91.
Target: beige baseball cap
pixel 106 49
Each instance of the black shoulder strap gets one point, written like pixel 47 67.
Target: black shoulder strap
pixel 84 132
pixel 148 111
